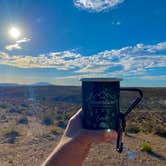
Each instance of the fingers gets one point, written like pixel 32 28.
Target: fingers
pixel 110 136
pixel 101 135
pixel 75 126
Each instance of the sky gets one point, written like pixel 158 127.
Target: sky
pixel 61 41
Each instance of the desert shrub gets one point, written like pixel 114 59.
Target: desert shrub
pixel 146 147
pixel 24 105
pixel 47 136
pixel 58 117
pixel 23 120
pixel 47 120
pixel 11 135
pixel 43 98
pixel 55 130
pixel 61 124
pixel 160 131
pixel 59 112
pixel 133 128
pixel 3 118
pixel 147 126
pixel 13 110
pixel 29 113
pixel 67 117
pixel 3 106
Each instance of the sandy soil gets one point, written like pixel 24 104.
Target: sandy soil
pixel 105 154
pixel 35 151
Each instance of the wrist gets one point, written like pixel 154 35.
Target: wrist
pixel 83 140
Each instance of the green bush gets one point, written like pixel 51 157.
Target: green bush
pixel 59 117
pixel 133 128
pixel 24 105
pixel 23 120
pixel 3 106
pixel 55 130
pixel 160 131
pixel 13 110
pixel 47 120
pixel 146 147
pixel 11 135
pixel 61 124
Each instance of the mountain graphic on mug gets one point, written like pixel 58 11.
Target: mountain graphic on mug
pixel 101 97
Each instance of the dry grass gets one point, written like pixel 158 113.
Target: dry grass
pixel 34 140
pixel 105 154
pixel 147 122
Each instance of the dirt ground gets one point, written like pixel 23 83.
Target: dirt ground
pixel 34 152
pixel 106 155
pixel 35 140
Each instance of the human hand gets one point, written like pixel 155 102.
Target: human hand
pixel 76 141
pixel 75 130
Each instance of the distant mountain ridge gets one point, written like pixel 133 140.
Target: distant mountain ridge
pixel 41 84
pixel 34 84
pixel 9 84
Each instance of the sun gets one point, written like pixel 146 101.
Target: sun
pixel 14 32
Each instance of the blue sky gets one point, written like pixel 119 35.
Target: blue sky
pixel 62 41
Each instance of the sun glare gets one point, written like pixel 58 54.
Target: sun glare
pixel 14 32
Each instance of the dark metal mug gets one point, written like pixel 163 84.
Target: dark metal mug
pixel 100 104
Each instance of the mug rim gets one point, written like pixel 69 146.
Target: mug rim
pixel 104 79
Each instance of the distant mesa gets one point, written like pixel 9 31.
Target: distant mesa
pixel 8 84
pixel 42 84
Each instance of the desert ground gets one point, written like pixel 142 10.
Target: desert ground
pixel 32 120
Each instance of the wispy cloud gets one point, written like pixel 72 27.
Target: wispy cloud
pixel 127 61
pixel 3 56
pixel 117 23
pixel 95 68
pixel 153 78
pixel 13 47
pixel 17 45
pixel 97 5
pixel 24 40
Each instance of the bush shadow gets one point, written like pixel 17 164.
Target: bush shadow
pixel 156 155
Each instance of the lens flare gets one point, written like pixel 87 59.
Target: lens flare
pixel 108 130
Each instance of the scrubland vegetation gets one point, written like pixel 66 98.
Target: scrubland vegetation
pixel 32 119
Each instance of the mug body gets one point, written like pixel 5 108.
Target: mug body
pixel 100 103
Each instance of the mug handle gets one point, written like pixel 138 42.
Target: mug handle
pixel 137 100
pixel 122 121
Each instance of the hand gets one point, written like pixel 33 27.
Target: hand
pixel 75 130
pixel 76 141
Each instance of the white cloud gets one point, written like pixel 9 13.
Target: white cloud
pixel 3 56
pixel 97 5
pixel 17 45
pixel 95 68
pixel 158 47
pixel 13 47
pixel 24 40
pixel 117 23
pixel 153 78
pixel 127 61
